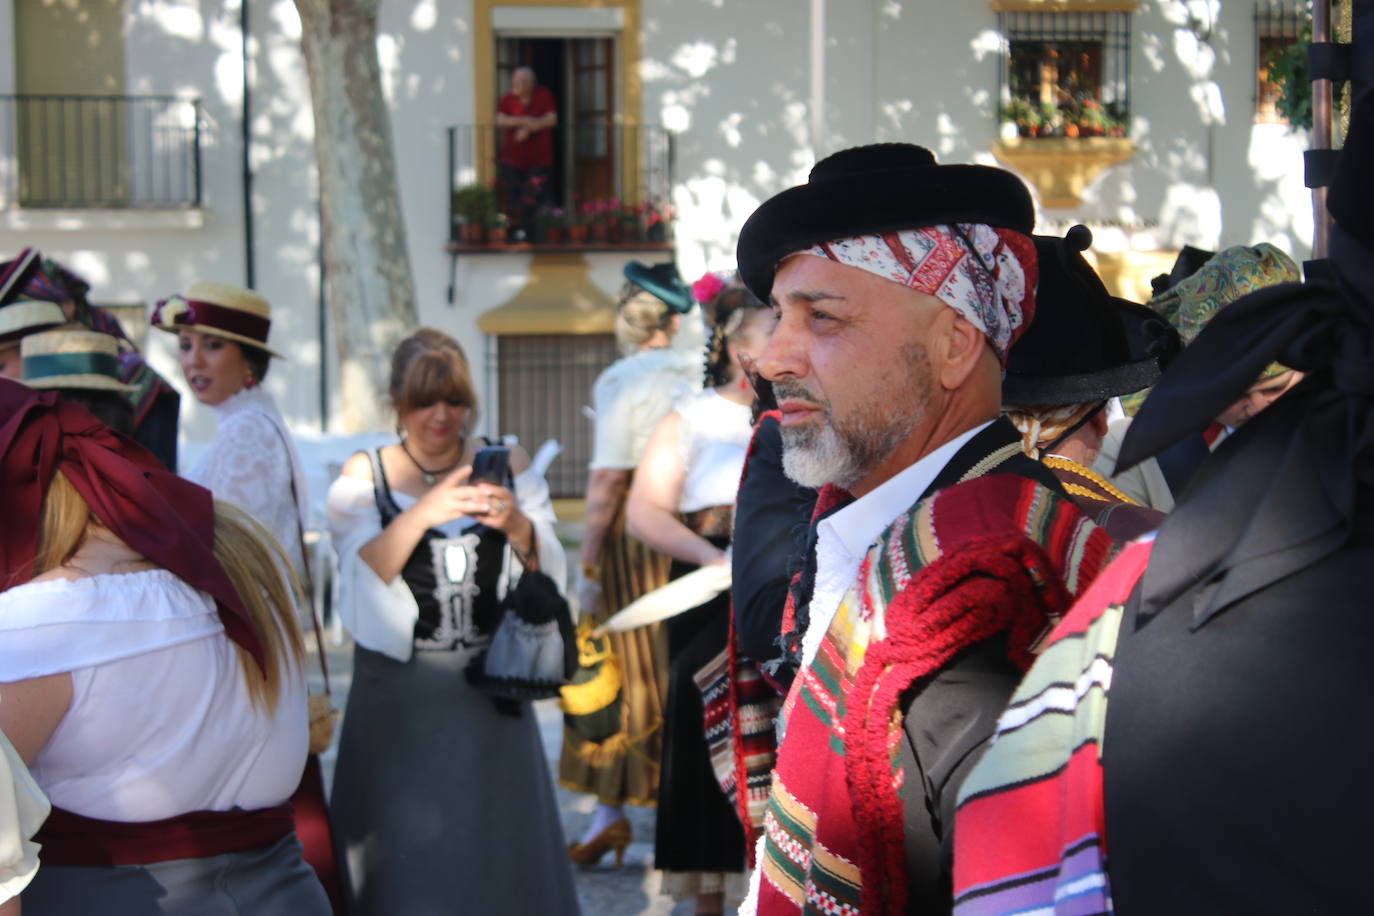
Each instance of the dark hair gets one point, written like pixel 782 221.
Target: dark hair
pixel 728 312
pixel 109 407
pixel 257 358
pixel 427 367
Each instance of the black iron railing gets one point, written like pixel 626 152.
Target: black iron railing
pixel 133 152
pixel 604 183
pixel 1065 74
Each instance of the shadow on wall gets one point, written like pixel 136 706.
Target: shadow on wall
pixel 1202 174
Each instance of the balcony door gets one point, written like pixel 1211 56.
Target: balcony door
pixel 580 72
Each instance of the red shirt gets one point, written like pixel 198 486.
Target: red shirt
pixel 536 151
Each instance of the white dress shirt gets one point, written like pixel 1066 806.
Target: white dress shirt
pixel 842 541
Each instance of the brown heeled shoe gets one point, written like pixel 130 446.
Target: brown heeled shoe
pixel 615 835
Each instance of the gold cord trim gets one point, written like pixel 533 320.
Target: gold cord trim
pixel 991 461
pixel 1073 467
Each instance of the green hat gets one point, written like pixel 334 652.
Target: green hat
pixel 662 281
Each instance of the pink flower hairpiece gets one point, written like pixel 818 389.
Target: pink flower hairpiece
pixel 707 287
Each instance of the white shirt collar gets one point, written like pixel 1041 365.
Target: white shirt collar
pixel 858 524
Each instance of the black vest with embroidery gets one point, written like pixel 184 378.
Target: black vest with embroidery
pixel 455 580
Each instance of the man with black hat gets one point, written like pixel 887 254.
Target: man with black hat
pixel 1085 346
pixel 1214 740
pixel 940 552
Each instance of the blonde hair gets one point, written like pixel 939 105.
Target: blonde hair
pixel 256 565
pixel 639 317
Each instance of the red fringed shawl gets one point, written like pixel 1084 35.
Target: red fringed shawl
pixel 995 555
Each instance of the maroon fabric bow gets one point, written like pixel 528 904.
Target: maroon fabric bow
pixel 167 519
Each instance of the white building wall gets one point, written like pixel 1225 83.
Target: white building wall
pixel 730 77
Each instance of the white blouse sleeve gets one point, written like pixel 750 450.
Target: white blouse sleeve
pixel 250 465
pixel 379 615
pixel 23 808
pixel 613 433
pixel 532 493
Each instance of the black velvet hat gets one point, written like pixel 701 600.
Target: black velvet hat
pixel 884 187
pixel 1084 345
pixel 663 281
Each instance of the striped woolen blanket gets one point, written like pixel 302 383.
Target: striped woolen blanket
pixel 994 555
pixel 1029 832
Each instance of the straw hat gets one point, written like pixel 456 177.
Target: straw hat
pixel 21 318
pixel 231 312
pixel 72 357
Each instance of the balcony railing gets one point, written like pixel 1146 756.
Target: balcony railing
pixel 607 185
pixel 95 151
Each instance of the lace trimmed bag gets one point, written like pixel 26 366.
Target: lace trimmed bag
pixel 532 651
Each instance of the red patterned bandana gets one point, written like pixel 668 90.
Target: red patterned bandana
pixel 987 275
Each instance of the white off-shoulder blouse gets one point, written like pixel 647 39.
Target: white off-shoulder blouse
pixel 381 615
pixel 160 722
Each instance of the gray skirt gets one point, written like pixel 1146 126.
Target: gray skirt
pixel 440 803
pixel 273 881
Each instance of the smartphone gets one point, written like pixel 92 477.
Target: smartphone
pixel 491 464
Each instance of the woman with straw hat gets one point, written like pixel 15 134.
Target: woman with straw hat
pixel 222 344
pixel 17 321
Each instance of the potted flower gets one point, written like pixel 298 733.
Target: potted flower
pixel 550 222
pixel 473 207
pixel 594 215
pixel 1019 119
pixel 631 220
pixel 1092 120
pixel 578 219
pixel 498 226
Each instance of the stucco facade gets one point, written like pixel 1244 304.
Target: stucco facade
pixel 753 92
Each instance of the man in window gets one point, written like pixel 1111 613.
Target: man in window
pixel 527 115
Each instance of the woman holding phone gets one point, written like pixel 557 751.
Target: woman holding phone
pixel 440 795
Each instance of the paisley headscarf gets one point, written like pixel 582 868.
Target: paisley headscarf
pixel 987 275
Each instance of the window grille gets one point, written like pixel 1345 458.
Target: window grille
pixel 1066 74
pixel 543 382
pixel 1278 25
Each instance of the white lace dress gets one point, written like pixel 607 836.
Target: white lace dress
pixel 251 463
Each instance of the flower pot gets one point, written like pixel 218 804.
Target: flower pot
pixel 577 235
pixel 496 235
pixel 553 235
pixel 598 232
pixel 474 234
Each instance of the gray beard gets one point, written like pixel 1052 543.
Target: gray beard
pixel 843 453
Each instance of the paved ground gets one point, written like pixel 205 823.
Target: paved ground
pixel 630 890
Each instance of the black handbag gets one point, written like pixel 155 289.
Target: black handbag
pixel 533 650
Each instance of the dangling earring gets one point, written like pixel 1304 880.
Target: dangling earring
pixel 250 382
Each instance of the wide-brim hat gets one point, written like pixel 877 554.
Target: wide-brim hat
pixel 221 310
pixel 72 357
pixel 867 190
pixel 20 319
pixel 16 273
pixel 1085 344
pixel 662 281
